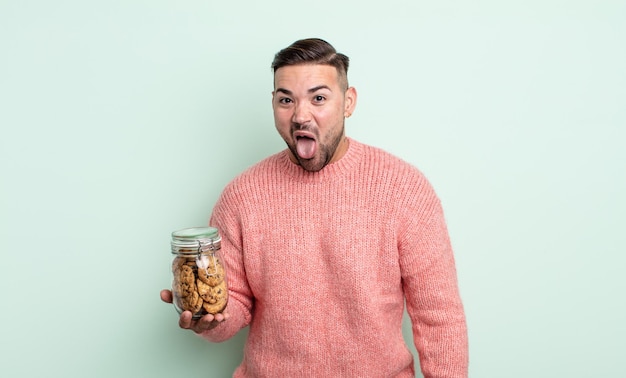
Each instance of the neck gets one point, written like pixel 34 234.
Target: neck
pixel 341 150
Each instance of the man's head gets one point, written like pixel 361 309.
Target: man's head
pixel 313 51
pixel 311 99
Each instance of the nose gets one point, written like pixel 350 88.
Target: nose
pixel 301 113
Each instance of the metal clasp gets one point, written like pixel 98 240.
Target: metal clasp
pixel 202 261
pixel 200 246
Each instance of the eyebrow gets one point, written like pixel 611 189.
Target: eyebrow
pixel 312 90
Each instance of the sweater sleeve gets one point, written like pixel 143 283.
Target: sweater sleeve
pixel 431 289
pixel 240 300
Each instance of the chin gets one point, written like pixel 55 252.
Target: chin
pixel 312 165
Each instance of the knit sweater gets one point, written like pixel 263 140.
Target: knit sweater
pixel 319 265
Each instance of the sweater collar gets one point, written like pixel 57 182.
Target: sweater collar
pixel 331 171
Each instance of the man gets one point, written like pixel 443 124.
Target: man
pixel 324 241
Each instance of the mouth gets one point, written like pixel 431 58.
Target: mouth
pixel 306 144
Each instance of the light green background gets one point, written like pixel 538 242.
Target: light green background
pixel 121 121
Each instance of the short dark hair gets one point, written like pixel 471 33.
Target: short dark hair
pixel 312 51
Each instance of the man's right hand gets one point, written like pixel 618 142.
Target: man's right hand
pixel 185 321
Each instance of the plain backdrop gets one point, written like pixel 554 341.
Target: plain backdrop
pixel 121 121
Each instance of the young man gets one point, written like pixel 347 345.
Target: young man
pixel 324 241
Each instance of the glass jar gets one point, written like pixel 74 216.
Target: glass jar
pixel 199 279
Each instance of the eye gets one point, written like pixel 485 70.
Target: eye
pixel 319 98
pixel 285 100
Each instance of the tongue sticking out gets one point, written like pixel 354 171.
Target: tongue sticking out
pixel 306 147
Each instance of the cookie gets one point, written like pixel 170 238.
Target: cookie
pixel 217 307
pixel 212 294
pixel 211 271
pixel 184 288
pixel 214 297
pixel 192 302
pixel 187 279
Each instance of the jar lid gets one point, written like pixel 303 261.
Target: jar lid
pixel 195 233
pixel 195 240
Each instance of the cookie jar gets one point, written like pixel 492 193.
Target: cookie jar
pixel 199 279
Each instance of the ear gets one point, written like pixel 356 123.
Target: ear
pixel 350 102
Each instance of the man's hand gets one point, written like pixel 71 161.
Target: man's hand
pixel 205 323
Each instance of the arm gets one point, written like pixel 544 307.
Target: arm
pixel 433 301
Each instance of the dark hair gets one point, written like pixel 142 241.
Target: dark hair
pixel 312 51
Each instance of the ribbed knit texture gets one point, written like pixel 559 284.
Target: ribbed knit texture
pixel 319 264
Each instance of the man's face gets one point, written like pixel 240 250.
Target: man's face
pixel 310 103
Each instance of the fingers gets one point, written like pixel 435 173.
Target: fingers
pixel 198 326
pixel 217 319
pixel 203 324
pixel 221 317
pixel 166 296
pixel 185 320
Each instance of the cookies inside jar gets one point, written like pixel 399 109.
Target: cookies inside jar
pixel 199 278
pixel 199 284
